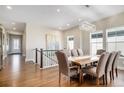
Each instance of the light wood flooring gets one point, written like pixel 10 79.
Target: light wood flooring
pixel 18 73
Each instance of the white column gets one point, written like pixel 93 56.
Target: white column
pixel 104 40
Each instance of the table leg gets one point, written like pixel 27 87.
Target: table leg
pixel 81 75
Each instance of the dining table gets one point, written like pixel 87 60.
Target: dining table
pixel 81 61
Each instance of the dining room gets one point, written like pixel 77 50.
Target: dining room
pixel 81 45
pixel 101 67
pixel 68 46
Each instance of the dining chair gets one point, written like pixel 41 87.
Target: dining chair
pixel 64 67
pixel 100 51
pixel 67 52
pixel 98 71
pixel 80 52
pixel 108 68
pixel 114 64
pixel 74 52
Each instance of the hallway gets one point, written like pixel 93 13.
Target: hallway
pixel 17 73
pixel 15 44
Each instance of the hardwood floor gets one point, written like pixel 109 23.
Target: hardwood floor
pixel 17 73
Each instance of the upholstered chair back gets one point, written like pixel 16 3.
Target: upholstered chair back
pixel 101 64
pixel 63 62
pixel 110 61
pixel 74 52
pixel 114 64
pixel 80 52
pixel 100 51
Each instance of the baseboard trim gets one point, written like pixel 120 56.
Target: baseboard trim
pixel 29 60
pixel 45 67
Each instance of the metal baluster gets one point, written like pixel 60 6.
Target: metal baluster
pixel 51 57
pixel 47 57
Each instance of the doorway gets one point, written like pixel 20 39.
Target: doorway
pixel 15 44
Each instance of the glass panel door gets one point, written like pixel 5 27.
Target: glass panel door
pixel 15 44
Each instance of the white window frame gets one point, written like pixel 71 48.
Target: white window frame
pixel 97 32
pixel 72 47
pixel 115 29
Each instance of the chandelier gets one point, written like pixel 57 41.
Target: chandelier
pixel 86 26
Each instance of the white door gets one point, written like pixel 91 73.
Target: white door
pixel 15 44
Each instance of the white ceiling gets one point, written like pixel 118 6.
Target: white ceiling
pixel 18 25
pixel 47 15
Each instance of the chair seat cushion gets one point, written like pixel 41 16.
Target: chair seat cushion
pixel 73 72
pixel 90 70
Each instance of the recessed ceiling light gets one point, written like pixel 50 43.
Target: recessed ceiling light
pixel 58 10
pixel 13 23
pixel 68 24
pixel 9 7
pixel 14 28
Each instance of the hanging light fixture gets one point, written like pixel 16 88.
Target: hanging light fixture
pixel 86 26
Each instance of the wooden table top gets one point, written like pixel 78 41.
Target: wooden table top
pixel 82 60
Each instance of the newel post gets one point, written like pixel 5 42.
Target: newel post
pixel 36 55
pixel 41 56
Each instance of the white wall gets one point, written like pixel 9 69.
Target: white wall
pixel 24 43
pixel 35 38
pixel 81 39
pixel 109 22
pixel 72 32
pixel 85 42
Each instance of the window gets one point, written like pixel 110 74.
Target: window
pixel 96 42
pixel 70 42
pixel 115 39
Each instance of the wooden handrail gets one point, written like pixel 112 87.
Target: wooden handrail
pixel 52 50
